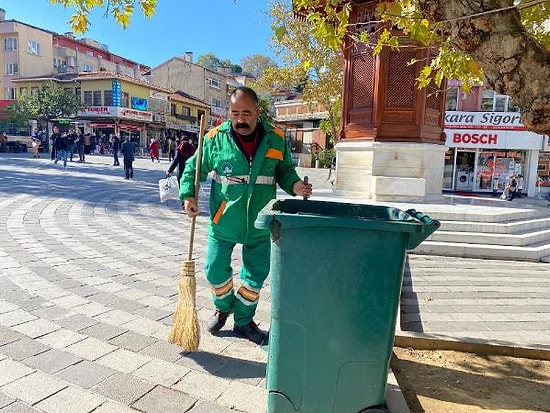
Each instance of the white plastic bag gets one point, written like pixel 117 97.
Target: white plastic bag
pixel 169 188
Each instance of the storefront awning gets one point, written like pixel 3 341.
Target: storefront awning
pixel 101 125
pixel 130 127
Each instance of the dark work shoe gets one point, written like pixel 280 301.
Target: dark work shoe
pixel 251 332
pixel 216 322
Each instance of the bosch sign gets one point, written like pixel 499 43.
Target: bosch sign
pixel 475 138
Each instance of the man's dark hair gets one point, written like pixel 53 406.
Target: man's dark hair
pixel 244 90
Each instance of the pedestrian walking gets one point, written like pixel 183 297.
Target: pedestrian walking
pixel 248 157
pixel 171 149
pixel 87 145
pixel 35 146
pixel 183 152
pixel 154 148
pixel 128 150
pixel 53 137
pixel 60 145
pixel 115 147
pixel 3 141
pixel 71 139
pixel 79 142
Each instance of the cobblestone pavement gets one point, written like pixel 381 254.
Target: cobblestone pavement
pixel 89 265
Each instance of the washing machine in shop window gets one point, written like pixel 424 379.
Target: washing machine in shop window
pixel 463 180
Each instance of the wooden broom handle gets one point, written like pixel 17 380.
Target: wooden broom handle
pixel 197 185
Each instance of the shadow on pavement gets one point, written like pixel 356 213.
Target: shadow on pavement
pixel 228 367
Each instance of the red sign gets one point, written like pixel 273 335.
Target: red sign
pixel 474 138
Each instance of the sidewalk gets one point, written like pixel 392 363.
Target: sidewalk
pixel 89 265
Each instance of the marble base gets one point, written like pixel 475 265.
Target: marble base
pixel 390 171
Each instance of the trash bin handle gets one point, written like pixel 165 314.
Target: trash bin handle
pixel 430 226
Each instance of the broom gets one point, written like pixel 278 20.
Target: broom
pixel 185 330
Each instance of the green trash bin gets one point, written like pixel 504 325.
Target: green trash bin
pixel 336 272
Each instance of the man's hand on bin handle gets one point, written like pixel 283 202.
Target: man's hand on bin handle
pixel 303 189
pixel 191 207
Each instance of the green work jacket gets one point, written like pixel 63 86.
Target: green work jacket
pixel 240 189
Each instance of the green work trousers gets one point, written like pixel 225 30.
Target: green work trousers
pixel 255 268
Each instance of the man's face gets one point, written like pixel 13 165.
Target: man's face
pixel 244 114
pixel 55 129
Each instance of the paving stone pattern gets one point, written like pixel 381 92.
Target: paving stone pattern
pixel 89 266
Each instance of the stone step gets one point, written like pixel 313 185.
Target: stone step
pixel 534 252
pixel 480 214
pixel 520 239
pixel 511 227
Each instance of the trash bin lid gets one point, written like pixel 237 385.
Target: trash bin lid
pixel 300 213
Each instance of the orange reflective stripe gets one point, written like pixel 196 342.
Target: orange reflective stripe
pixel 219 212
pixel 224 289
pixel 279 133
pixel 249 295
pixel 274 154
pixel 212 132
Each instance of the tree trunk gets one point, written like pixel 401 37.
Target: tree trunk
pixel 513 62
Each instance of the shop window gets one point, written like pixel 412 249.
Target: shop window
pixel 493 102
pixel 501 104
pixel 108 97
pixel 451 98
pixel 11 69
pixel 10 43
pixel 9 93
pixel 97 97
pixel 33 47
pixel 88 98
pixel 214 83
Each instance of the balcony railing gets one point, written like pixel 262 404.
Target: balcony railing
pixel 185 117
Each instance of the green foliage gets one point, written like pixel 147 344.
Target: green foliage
pixel 51 102
pixel 256 64
pixel 331 21
pixel 236 69
pixel 324 157
pixel 307 64
pixel 210 61
pixel 266 102
pixel 121 10
pixel 213 62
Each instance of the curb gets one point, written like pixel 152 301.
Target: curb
pixel 420 341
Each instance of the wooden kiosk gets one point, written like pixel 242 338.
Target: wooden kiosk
pixel 391 144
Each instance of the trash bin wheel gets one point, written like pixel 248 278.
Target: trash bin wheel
pixel 375 409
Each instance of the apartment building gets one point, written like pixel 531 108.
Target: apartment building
pixel 180 73
pixel 300 122
pixel 184 116
pixel 120 104
pixel 30 51
pixel 73 55
pixel 26 51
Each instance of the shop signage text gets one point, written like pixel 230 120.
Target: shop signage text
pixel 474 138
pixel 116 112
pixel 483 120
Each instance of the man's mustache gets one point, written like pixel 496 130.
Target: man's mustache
pixel 242 125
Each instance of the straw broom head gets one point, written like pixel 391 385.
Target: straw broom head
pixel 185 330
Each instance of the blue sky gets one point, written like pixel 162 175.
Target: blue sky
pixel 229 29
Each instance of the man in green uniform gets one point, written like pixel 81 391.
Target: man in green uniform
pixel 248 158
